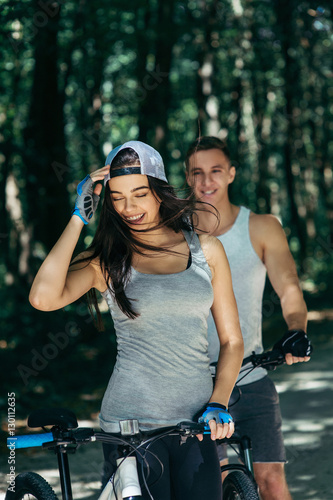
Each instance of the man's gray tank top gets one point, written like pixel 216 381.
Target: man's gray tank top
pixel 162 374
pixel 248 280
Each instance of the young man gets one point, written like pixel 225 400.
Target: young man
pixel 255 246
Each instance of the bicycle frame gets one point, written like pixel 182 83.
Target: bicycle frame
pixel 124 483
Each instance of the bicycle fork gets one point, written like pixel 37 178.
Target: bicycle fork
pixel 245 445
pixel 247 451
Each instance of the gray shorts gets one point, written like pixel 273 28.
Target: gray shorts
pixel 257 415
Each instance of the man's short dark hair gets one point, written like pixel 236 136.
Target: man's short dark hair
pixel 204 144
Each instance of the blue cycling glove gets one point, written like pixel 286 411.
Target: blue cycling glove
pixel 86 201
pixel 295 342
pixel 217 412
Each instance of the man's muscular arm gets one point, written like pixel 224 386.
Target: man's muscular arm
pixel 267 232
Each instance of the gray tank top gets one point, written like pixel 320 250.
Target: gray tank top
pixel 162 374
pixel 248 280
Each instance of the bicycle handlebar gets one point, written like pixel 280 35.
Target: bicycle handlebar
pixel 84 435
pixel 268 360
pixel 183 429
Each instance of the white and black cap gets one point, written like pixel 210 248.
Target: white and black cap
pixel 151 162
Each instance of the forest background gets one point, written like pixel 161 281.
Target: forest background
pixel 78 78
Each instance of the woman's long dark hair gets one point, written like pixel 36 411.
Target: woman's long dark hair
pixel 114 242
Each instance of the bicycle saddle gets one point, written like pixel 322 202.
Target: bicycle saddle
pixel 61 417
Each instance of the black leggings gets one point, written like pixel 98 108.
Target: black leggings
pixel 190 471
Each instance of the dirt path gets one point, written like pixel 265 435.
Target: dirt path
pixel 306 398
pixel 307 407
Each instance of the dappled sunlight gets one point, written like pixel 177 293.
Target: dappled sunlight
pixel 325 314
pixel 307 433
pixel 305 392
pixel 308 447
pixel 85 468
pixel 307 440
pixel 82 485
pixel 305 381
pixel 86 489
pixel 89 423
pixel 306 425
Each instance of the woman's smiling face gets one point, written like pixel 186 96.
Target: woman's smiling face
pixel 134 201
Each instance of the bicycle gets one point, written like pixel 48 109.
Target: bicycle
pixel 65 436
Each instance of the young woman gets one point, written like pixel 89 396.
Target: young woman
pixel 160 280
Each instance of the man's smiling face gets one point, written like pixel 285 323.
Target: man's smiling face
pixel 210 174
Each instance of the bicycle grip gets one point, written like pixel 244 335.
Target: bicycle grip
pixel 29 440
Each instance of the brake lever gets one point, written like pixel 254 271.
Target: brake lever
pixel 268 360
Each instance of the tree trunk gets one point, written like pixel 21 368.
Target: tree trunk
pixel 155 85
pixel 284 13
pixel 45 153
pixel 208 122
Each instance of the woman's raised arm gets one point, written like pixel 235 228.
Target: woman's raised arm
pixel 55 285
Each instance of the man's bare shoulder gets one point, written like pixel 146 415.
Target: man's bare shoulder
pixel 264 219
pixel 264 223
pixel 266 233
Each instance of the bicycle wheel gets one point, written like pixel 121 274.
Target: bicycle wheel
pixel 238 486
pixel 29 485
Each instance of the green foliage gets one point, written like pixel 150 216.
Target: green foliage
pixel 38 352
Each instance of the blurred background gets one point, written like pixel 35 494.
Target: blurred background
pixel 78 78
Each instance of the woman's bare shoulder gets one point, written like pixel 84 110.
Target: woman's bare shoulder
pixel 213 251
pixel 210 243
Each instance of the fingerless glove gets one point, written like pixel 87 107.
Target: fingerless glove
pixel 295 342
pixel 86 201
pixel 217 412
